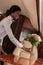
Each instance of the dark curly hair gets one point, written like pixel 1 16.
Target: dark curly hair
pixel 13 9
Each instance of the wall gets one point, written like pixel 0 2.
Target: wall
pixel 28 8
pixel 42 17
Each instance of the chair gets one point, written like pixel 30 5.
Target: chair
pixel 2 16
pixel 40 50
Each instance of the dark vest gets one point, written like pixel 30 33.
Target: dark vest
pixel 16 27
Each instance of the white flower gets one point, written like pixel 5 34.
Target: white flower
pixel 37 37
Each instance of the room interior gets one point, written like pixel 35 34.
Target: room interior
pixel 30 8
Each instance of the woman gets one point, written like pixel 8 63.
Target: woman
pixel 11 27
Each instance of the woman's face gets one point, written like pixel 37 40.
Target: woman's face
pixel 16 15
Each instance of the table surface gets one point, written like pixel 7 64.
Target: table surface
pixel 9 58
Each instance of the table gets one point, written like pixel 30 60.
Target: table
pixel 10 59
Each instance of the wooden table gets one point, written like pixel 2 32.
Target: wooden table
pixel 10 59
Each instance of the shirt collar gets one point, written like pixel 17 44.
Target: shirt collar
pixel 10 18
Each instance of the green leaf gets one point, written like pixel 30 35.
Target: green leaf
pixel 33 40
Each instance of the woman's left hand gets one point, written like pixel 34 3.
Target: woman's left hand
pixel 1 50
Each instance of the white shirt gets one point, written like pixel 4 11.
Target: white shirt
pixel 6 30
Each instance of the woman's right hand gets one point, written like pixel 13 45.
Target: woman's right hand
pixel 27 49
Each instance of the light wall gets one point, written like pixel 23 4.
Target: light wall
pixel 28 8
pixel 42 17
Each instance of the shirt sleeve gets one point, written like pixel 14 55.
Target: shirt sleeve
pixel 10 34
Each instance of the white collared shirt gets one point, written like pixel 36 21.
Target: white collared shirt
pixel 6 30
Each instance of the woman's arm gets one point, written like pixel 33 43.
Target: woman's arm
pixel 10 34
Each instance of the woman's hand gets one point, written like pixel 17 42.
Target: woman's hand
pixel 1 50
pixel 27 49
